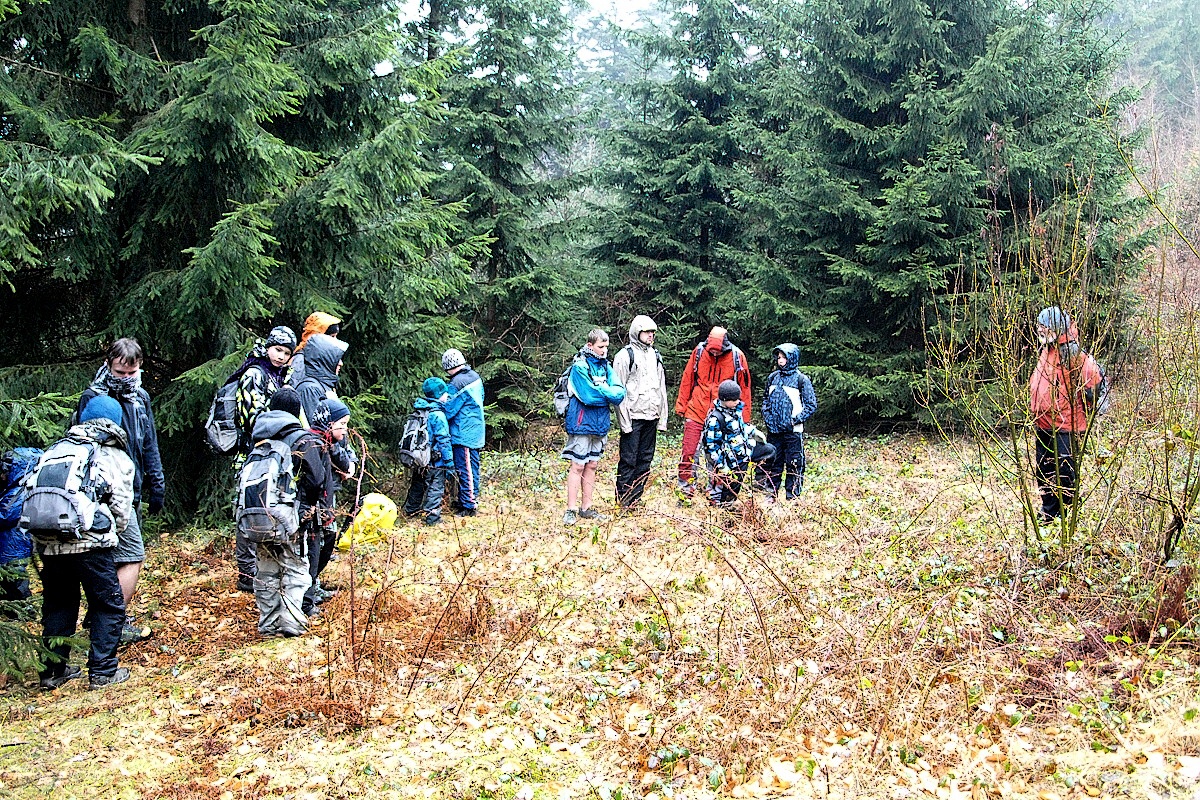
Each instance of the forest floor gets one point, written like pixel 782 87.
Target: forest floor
pixel 890 634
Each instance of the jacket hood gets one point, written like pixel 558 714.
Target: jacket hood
pixel 321 358
pixel 421 404
pixel 792 353
pixel 101 431
pixel 317 322
pixel 640 323
pixel 718 347
pixel 270 424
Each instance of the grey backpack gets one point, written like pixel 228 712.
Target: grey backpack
pixel 416 445
pixel 65 494
pixel 268 509
pixel 220 431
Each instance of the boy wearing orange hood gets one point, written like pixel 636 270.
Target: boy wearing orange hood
pixel 317 322
pixel 714 360
pixel 1062 395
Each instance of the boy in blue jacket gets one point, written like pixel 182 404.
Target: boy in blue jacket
pixel 789 401
pixel 593 387
pixel 464 413
pixel 429 484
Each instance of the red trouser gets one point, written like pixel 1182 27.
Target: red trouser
pixel 692 431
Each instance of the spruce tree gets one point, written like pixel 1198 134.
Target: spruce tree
pixel 507 120
pixel 675 173
pixel 912 123
pixel 249 163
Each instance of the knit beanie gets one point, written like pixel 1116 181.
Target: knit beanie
pixel 433 388
pixel 283 336
pixel 101 407
pixel 336 409
pixel 1055 319
pixel 287 400
pixel 729 390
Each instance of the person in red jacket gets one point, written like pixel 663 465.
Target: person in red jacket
pixel 1062 395
pixel 714 360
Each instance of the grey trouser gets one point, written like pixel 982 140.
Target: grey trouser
pixel 279 589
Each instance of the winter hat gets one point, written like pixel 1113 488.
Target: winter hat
pixel 335 408
pixel 452 359
pixel 286 400
pixel 283 336
pixel 433 388
pixel 101 407
pixel 729 390
pixel 1055 319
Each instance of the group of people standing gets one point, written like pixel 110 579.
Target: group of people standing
pixel 287 393
pixel 713 399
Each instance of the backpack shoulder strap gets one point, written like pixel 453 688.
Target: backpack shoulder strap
pixel 632 361
pixel 696 360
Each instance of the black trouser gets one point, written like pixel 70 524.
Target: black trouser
pixel 637 453
pixel 789 455
pixel 319 542
pixel 62 577
pixel 425 492
pixel 1056 473
pixel 762 459
pixel 15 587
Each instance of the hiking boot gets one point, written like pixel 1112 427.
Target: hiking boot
pixel 52 682
pixel 465 512
pixel 132 633
pixel 245 584
pixel 100 681
pixel 433 519
pixel 322 594
pixel 571 517
pixel 591 513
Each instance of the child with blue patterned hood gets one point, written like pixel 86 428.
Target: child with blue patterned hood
pixel 788 402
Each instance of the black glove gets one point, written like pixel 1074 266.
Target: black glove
pixel 154 506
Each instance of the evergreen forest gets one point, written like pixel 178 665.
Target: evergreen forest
pixel 502 176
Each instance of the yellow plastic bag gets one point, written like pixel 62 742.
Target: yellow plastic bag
pixel 373 523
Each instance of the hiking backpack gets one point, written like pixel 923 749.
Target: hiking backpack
pixel 220 431
pixel 65 493
pixel 1101 394
pixel 562 390
pixel 416 445
pixel 268 509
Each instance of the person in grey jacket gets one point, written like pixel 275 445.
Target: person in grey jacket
pixel 322 362
pixel 644 411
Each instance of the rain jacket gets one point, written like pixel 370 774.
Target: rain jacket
pixel 317 322
pixel 729 438
pixel 789 399
pixel 711 362
pixel 117 469
pixel 439 432
pixel 15 543
pixel 593 387
pixel 1060 388
pixel 322 356
pixel 259 380
pixel 138 421
pixel 639 369
pixel 464 409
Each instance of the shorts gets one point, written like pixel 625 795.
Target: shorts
pixel 583 449
pixel 130 548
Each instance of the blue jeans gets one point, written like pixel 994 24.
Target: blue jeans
pixel 466 467
pixel 62 577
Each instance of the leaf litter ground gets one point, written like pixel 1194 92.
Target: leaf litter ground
pixel 887 635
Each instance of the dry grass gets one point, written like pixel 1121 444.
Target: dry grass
pixel 883 636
